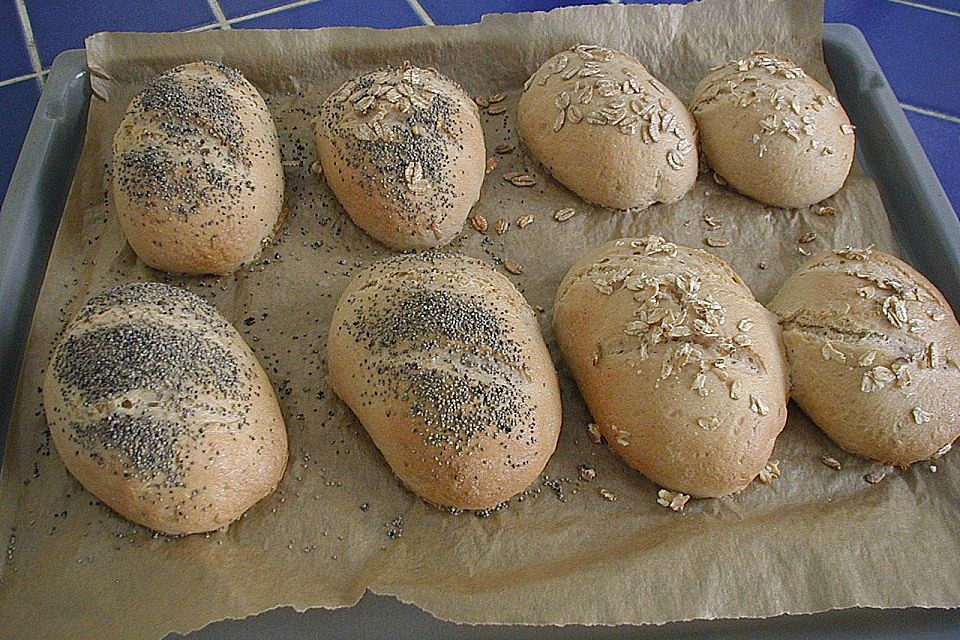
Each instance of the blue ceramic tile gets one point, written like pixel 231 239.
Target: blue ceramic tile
pixel 63 25
pixel 917 49
pixel 18 101
pixel 338 13
pixel 237 8
pixel 14 58
pixel 941 140
pixel 453 12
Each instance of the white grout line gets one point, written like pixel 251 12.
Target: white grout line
pixel 928 112
pixel 420 11
pixel 31 41
pixel 218 12
pixel 17 79
pixel 920 5
pixel 204 27
pixel 267 12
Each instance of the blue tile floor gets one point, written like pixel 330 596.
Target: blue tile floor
pixel 916 41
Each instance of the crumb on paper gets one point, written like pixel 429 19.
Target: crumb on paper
pixel 673 500
pixel 594 431
pixel 833 463
pixel 607 494
pixel 770 472
pixel 513 266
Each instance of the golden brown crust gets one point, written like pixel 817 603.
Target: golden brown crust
pixel 874 352
pixel 159 408
pixel 403 151
pixel 608 130
pixel 442 361
pixel 681 368
pixel 197 175
pixel 772 132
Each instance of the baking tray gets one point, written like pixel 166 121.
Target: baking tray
pixel 923 222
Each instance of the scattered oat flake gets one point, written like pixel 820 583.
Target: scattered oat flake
pixel 482 101
pixel 757 406
pixel 735 390
pixel 807 237
pixel 594 431
pixel 479 223
pixel 761 265
pixel 496 110
pixel 719 179
pixel 933 356
pixel 504 148
pixel 770 472
pixel 874 477
pixel 829 352
pixel 513 266
pixel 711 423
pixel 825 211
pixel 942 451
pixel 876 379
pixel 742 340
pixel 607 494
pixel 745 324
pixel 501 226
pixel 620 435
pixel 524 221
pixel 673 500
pixel 564 214
pixel 587 473
pixel 933 468
pixel 847 129
pixel 803 251
pixel 833 463
pixel 491 164
pixel 713 223
pixel 717 242
pixel 316 168
pixel 523 180
pixel 498 97
pixel 920 416
pixel 867 359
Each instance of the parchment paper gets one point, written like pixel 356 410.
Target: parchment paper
pixel 815 539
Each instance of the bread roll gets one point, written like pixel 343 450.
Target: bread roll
pixel 403 151
pixel 158 407
pixel 874 353
pixel 197 177
pixel 608 130
pixel 772 132
pixel 442 361
pixel 681 368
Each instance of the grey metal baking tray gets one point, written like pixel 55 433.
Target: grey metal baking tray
pixel 923 222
